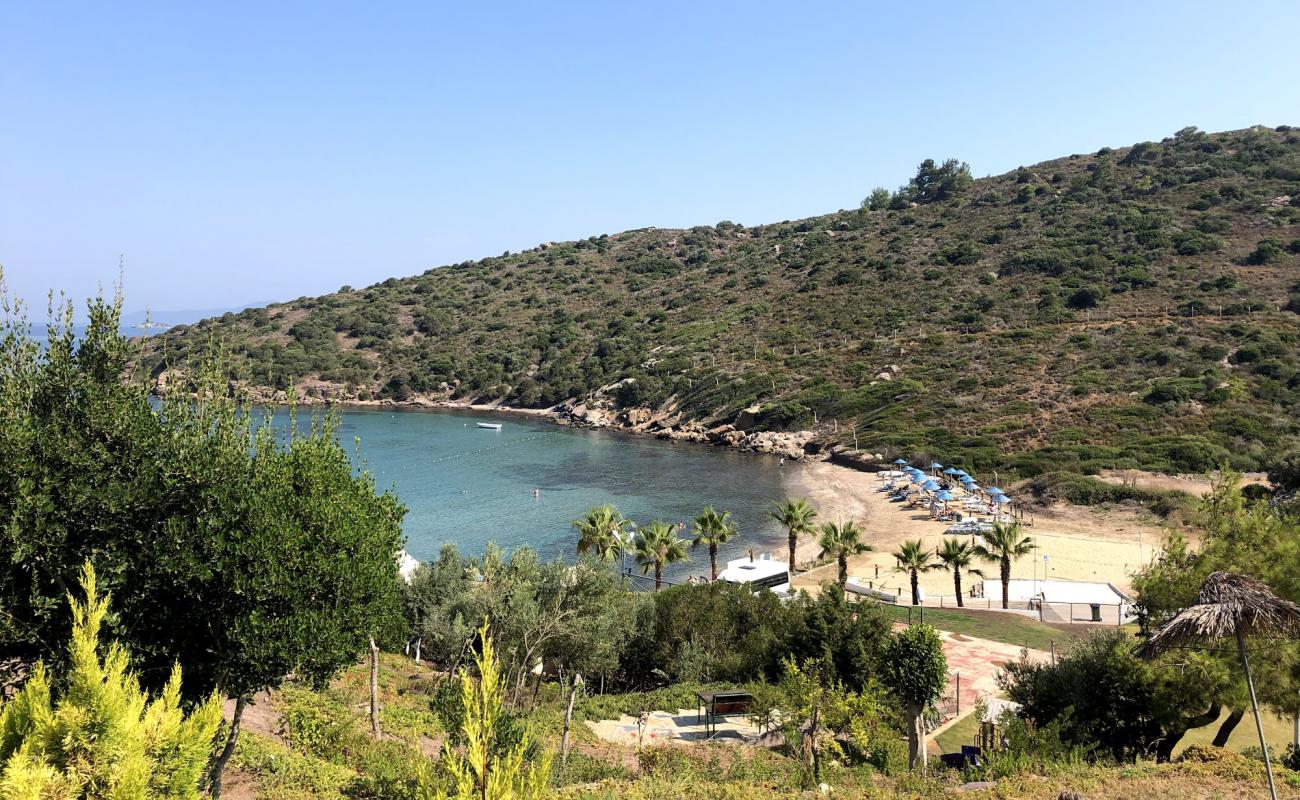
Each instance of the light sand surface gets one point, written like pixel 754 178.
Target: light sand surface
pixel 1197 485
pixel 1080 543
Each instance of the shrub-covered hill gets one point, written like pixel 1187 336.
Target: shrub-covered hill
pixel 1134 307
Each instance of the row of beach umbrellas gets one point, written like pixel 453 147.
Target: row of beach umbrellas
pixel 929 484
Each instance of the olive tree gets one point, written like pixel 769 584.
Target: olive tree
pixel 242 550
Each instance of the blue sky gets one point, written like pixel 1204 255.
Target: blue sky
pixel 240 152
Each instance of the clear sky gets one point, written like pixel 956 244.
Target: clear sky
pixel 236 152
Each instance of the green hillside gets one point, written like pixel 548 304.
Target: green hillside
pixel 1133 307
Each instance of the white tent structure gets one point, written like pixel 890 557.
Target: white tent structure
pixel 406 565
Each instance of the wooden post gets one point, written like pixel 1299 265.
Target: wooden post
pixel 1254 704
pixel 568 720
pixel 374 687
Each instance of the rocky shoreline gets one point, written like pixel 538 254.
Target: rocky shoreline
pixel 667 422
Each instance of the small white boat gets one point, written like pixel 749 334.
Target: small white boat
pixel 492 426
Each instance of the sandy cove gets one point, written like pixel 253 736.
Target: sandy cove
pixel 1080 543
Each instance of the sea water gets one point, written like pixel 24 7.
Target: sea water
pixel 469 486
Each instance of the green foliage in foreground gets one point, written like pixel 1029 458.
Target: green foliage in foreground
pixel 1102 698
pixel 101 735
pixel 483 768
pixel 1130 308
pixel 580 619
pixel 1038 763
pixel 917 672
pixel 238 551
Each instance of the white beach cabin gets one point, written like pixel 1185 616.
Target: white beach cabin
pixel 759 573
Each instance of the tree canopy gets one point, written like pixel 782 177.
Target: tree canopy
pixel 239 548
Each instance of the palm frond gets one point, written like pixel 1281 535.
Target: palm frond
pixel 1227 604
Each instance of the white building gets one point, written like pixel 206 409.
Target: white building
pixel 759 573
pixel 1066 601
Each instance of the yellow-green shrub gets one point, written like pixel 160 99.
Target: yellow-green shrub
pixel 104 737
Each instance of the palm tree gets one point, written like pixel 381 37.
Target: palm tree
pixel 602 530
pixel 842 541
pixel 796 516
pixel 914 559
pixel 713 528
pixel 956 556
pixel 656 546
pixel 1003 545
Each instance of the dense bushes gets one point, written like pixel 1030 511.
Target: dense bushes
pixel 721 632
pixel 1101 697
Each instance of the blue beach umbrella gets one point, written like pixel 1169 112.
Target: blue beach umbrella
pixel 900 461
pixel 994 490
pixel 950 471
pixel 935 465
pixel 930 486
pixel 945 496
pixel 966 479
pixel 1001 499
pixel 963 473
pixel 915 478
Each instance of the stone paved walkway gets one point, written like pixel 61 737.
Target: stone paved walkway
pixel 683 726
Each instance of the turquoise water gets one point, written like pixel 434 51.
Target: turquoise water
pixel 470 486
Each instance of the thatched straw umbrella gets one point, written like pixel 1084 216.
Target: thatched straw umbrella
pixel 1234 606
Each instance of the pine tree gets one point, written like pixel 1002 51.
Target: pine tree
pixel 482 770
pixel 104 738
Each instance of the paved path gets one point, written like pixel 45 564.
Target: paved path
pixel 682 726
pixel 978 661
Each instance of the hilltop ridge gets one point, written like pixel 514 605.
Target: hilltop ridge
pixel 1130 308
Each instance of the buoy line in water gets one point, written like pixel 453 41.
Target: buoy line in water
pixel 490 448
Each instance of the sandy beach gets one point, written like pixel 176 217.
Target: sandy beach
pixel 1079 543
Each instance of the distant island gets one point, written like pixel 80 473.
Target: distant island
pixel 1129 308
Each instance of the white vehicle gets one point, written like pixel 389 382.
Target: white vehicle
pixel 759 573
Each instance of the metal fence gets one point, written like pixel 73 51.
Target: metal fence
pixel 952 702
pixel 1086 613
